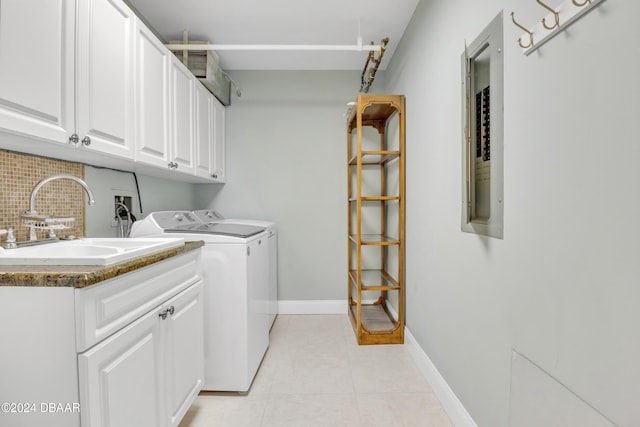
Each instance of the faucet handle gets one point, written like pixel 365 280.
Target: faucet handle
pixel 10 242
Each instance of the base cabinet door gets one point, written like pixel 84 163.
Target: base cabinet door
pixel 121 377
pixel 149 373
pixel 184 351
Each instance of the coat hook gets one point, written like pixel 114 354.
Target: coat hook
pixel 581 4
pixel 525 30
pixel 555 15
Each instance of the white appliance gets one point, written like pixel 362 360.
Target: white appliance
pixel 207 215
pixel 235 260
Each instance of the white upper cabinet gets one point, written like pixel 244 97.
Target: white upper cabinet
pixel 105 75
pixel 73 95
pixel 87 81
pixel 194 145
pixel 152 99
pixel 219 164
pixel 37 68
pixel 209 135
pixel 204 131
pixel 183 119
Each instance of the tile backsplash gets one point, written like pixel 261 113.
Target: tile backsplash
pixel 19 173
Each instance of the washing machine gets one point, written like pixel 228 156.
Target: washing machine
pixel 209 215
pixel 235 272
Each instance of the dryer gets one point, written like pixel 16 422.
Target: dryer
pixel 235 272
pixel 209 215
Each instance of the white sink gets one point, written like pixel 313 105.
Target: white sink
pixel 89 251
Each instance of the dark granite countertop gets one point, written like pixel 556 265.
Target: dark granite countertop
pixel 79 276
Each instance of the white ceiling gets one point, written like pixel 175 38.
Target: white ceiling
pixel 270 22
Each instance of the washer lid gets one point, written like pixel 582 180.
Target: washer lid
pixel 235 230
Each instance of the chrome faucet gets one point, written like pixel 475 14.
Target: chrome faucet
pixel 43 181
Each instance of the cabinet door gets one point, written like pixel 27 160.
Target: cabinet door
pixel 182 117
pixel 219 165
pixel 121 378
pixel 204 131
pixel 105 76
pixel 152 98
pixel 184 351
pixel 37 72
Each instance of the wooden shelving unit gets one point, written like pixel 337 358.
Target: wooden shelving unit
pixel 376 187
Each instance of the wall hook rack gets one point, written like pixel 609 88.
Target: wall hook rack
pixel 555 14
pixel 513 18
pixel 564 15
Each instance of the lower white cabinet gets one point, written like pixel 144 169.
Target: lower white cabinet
pixel 149 373
pixel 126 352
pixel 184 352
pixel 121 378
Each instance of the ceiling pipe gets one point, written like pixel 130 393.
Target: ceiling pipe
pixel 277 47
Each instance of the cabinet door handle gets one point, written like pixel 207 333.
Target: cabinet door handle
pixel 214 175
pixel 74 139
pixel 86 141
pixel 171 310
pixel 163 314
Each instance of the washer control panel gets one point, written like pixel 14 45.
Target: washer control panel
pixel 173 219
pixel 207 215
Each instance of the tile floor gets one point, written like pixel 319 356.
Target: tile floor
pixel 314 374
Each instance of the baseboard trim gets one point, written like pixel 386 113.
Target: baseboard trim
pixel 454 408
pixel 312 307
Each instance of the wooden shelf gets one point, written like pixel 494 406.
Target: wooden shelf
pixel 374 110
pixel 377 325
pixel 375 198
pixel 374 280
pixel 370 174
pixel 381 157
pixel 374 240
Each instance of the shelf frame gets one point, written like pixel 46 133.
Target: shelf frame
pixel 374 323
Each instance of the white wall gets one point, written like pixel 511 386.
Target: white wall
pixel 562 287
pixel 157 195
pixel 286 157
